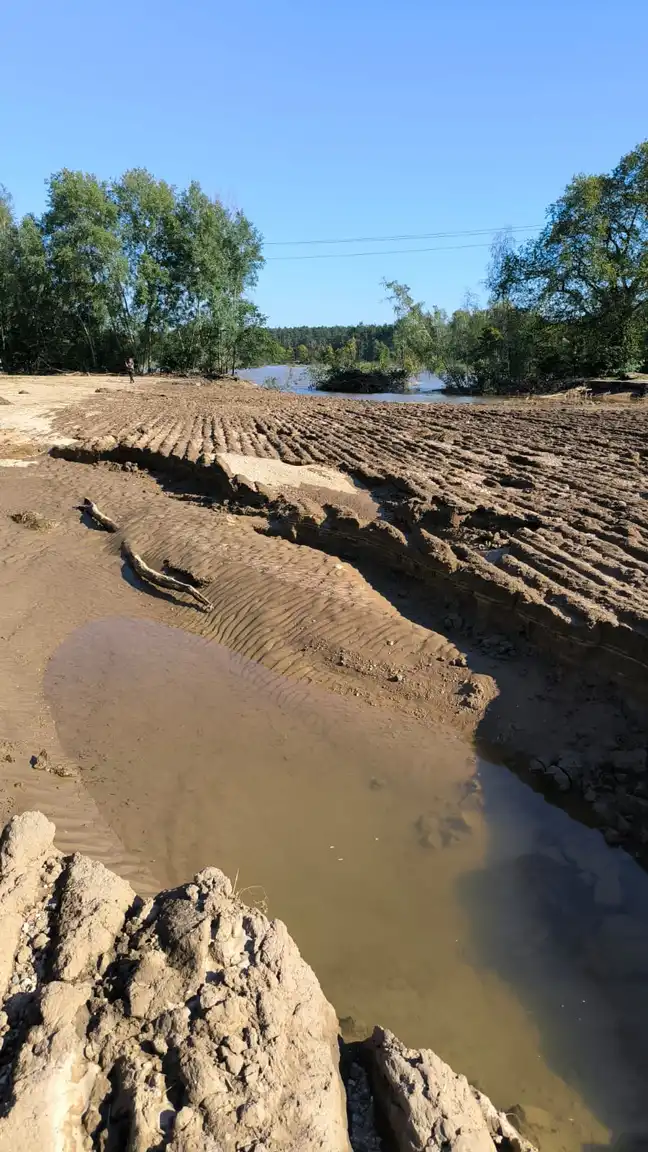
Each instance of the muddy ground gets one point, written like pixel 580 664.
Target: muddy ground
pixel 476 571
pixel 480 568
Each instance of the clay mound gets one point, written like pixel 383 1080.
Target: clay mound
pixel 186 1022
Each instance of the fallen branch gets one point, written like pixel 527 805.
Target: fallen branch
pixel 97 515
pixel 160 578
pixel 150 575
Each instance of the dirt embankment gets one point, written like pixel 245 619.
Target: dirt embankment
pixel 530 510
pixel 516 530
pixel 447 549
pixel 190 1021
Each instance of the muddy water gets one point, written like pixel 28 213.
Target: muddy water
pixel 431 893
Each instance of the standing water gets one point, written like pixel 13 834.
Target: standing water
pixel 298 378
pixel 431 893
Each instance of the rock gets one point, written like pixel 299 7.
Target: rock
pixel 190 1021
pixel 471 694
pixel 570 762
pixel 428 1107
pixel 192 981
pixel 25 841
pixel 633 761
pixel 560 778
pixel 603 809
pixel 93 906
pixel 612 836
pixel 360 1106
pixel 453 620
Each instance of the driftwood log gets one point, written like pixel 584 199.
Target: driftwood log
pixel 97 515
pixel 150 575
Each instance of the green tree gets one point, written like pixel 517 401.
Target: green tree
pixel 303 354
pixel 150 289
pixel 589 266
pixel 218 259
pixel 42 331
pixel 84 256
pixel 418 335
pixel 7 289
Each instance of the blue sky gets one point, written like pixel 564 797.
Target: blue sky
pixel 331 119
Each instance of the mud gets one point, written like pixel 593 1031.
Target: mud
pixel 439 896
pixel 527 521
pixel 191 1021
pixel 535 512
pixel 484 578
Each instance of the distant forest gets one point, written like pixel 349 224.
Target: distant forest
pixel 306 345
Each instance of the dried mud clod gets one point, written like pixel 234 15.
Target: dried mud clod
pixel 189 1021
pixel 33 520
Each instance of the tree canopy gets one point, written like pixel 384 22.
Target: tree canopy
pixel 131 267
pixel 587 271
pixel 571 303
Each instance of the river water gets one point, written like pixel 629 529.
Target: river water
pixel 296 378
pixel 432 891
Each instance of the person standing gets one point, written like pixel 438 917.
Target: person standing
pixel 130 368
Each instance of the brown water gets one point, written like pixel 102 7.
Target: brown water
pixel 432 893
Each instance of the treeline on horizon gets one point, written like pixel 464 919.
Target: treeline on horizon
pixel 307 345
pixel 136 267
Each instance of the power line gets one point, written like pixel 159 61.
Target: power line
pixel 378 252
pixel 405 236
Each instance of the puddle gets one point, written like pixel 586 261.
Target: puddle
pixel 436 896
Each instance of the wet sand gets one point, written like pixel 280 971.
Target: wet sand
pixel 432 893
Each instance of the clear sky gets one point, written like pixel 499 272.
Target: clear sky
pixel 331 118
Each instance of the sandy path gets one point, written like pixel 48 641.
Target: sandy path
pixel 32 403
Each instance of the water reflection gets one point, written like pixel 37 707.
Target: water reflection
pixel 297 378
pixel 564 920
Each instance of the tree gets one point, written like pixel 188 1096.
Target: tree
pixel 303 354
pixel 7 291
pixel 84 256
pixel 589 266
pixel 42 333
pixel 150 289
pixel 418 335
pixel 218 259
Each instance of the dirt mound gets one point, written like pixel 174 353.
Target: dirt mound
pixel 186 1022
pixel 189 1019
pixel 536 513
